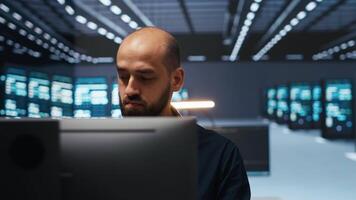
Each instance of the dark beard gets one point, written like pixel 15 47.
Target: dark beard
pixel 153 110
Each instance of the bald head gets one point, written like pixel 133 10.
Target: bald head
pixel 154 42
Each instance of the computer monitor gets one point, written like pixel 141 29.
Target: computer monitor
pixel 115 102
pixel 338 110
pixel 282 110
pixel 62 96
pixel 30 160
pixel 181 95
pixel 2 93
pixel 91 97
pixel 15 99
pixel 300 116
pixel 317 105
pixel 39 95
pixel 129 158
pixel 271 103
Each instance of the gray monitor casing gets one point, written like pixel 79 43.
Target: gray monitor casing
pixel 130 158
pixel 29 159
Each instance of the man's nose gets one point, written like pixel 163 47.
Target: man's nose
pixel 132 87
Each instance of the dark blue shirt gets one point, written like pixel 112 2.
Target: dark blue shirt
pixel 221 172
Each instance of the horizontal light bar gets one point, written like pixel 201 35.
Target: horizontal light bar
pixel 197 58
pixel 193 105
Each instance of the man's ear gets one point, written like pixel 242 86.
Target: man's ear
pixel 177 79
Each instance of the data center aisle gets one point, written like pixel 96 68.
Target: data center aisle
pixel 306 167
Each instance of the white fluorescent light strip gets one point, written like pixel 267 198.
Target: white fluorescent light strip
pixel 310 6
pixel 69 10
pixel 17 16
pixel 193 105
pixel 294 22
pixel 22 32
pixel 29 24
pixel 2 20
pixel 11 26
pixel 31 37
pixel 38 30
pixel 20 47
pixel 102 31
pixel 60 45
pixel 92 25
pixel 46 36
pixel 45 45
pixel 2 38
pixel 301 15
pixel 39 42
pixel 54 41
pixel 81 19
pixel 335 49
pixel 4 8
pixel 244 30
pixel 9 42
pixel 62 2
pixel 116 10
pixel 125 18
pixel 138 13
pixel 110 36
pixel 117 40
pixel 105 2
pixel 133 25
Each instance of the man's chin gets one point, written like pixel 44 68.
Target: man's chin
pixel 133 112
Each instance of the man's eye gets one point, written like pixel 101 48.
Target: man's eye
pixel 123 77
pixel 146 78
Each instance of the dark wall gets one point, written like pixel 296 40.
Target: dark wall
pixel 237 88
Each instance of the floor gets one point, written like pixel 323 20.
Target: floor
pixel 306 167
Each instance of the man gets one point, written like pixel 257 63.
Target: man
pixel 149 70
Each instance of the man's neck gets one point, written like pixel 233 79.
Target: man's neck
pixel 170 111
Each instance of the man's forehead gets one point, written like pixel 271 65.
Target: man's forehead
pixel 144 68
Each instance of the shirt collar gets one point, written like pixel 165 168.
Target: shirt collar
pixel 175 112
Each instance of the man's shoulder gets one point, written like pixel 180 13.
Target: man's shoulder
pixel 211 139
pixel 221 171
pixel 211 135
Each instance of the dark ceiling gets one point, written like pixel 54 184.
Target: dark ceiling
pixel 207 30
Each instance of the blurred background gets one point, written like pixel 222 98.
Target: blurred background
pixel 281 74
